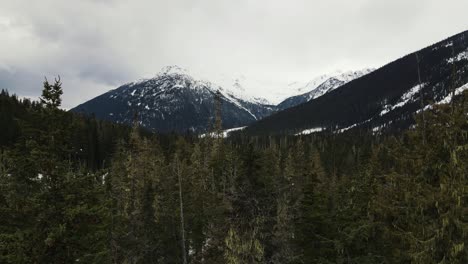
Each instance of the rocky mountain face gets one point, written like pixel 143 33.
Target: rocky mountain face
pixel 173 101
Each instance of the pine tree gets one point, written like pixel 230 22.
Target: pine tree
pixel 419 200
pixel 51 94
pixel 315 234
pixel 284 235
pixel 132 191
pixel 247 216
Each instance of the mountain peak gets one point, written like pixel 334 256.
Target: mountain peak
pixel 347 76
pixel 319 86
pixel 173 69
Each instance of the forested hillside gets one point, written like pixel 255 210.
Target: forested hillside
pixel 385 99
pixel 75 190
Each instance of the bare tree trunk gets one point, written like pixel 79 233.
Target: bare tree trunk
pixel 218 119
pixel 453 79
pixel 182 220
pixel 421 99
pixel 132 217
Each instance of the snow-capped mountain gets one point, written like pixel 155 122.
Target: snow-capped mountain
pixel 320 86
pixel 383 100
pixel 275 92
pixel 174 101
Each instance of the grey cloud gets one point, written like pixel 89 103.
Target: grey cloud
pixel 98 44
pixel 21 83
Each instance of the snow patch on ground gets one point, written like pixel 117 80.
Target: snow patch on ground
pixel 461 56
pixel 404 99
pixel 228 131
pixel 224 134
pixel 353 126
pixel 347 128
pixel 310 131
pixel 448 98
pixel 377 129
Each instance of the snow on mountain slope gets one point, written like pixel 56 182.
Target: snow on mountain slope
pixel 224 133
pixel 386 99
pixel 320 86
pixel 335 81
pixel 173 100
pixel 408 96
pixel 274 92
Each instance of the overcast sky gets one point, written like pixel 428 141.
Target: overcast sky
pixel 96 45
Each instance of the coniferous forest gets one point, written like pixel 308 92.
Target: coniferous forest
pixel 74 189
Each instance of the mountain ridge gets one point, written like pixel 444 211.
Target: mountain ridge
pixel 327 84
pixel 378 100
pixel 174 100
